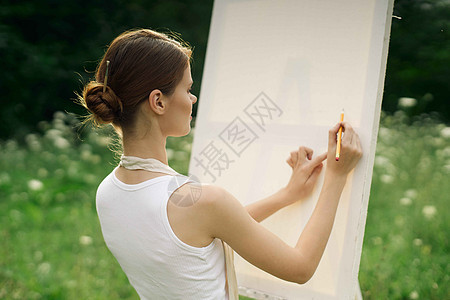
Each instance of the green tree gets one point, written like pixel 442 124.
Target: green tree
pixel 419 57
pixel 47 46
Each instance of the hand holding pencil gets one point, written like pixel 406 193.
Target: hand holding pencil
pixel 344 151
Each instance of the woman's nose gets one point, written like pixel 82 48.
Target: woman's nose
pixel 194 99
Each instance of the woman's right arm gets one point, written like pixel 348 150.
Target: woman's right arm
pixel 227 219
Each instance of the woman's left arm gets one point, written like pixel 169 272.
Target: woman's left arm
pixel 264 208
pixel 300 185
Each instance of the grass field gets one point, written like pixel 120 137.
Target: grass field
pixel 52 246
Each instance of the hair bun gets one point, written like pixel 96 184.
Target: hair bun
pixel 106 107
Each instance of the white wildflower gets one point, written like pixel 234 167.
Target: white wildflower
pixel 384 132
pixel 59 115
pixel 435 285
pixel 405 201
pixel 43 125
pixel 61 143
pixel 59 124
pixel 42 172
pixel 24 196
pixel 35 146
pixel 19 196
pixel 426 6
pixel 85 147
pixel 11 145
pixel 103 263
pixel 38 255
pixel 15 215
pixel 44 268
pixel 377 240
pixel 85 240
pixel 70 284
pixel 407 102
pixel 187 147
pixel 399 220
pixel 411 193
pixel 35 185
pixel 170 153
pixel 30 137
pixel 447 168
pixel 424 163
pixel 445 132
pixel 85 154
pixel 429 211
pixel 181 155
pixel 381 161
pixel 385 178
pixel 426 250
pixel 53 133
pixel 46 155
pixel 59 172
pixel 397 240
pixel 95 159
pixel 414 295
pixel 104 140
pixel 4 178
pixel 446 151
pixel 73 170
pixel 90 178
pixel 417 242
pixel 33 142
pixel 438 142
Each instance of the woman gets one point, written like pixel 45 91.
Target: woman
pixel 170 243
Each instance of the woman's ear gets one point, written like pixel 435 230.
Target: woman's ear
pixel 157 103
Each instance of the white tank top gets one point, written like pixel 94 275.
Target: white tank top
pixel 134 223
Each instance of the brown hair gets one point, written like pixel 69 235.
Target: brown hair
pixel 140 61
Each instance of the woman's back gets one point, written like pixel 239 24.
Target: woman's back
pixel 137 231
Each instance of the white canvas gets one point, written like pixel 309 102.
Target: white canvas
pixel 277 75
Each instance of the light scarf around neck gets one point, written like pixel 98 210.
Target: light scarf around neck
pixel 154 165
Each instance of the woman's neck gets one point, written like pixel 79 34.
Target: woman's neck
pixel 150 146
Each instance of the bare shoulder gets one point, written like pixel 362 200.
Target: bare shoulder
pixel 187 211
pixel 203 204
pixel 212 207
pixel 207 197
pixel 195 194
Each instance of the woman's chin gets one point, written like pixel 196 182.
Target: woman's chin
pixel 187 132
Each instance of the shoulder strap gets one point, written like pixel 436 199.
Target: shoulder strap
pixel 230 273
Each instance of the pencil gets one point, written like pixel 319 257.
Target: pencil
pixel 338 148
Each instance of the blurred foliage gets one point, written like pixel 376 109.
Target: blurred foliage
pixel 419 57
pixel 52 245
pixel 406 242
pixel 47 46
